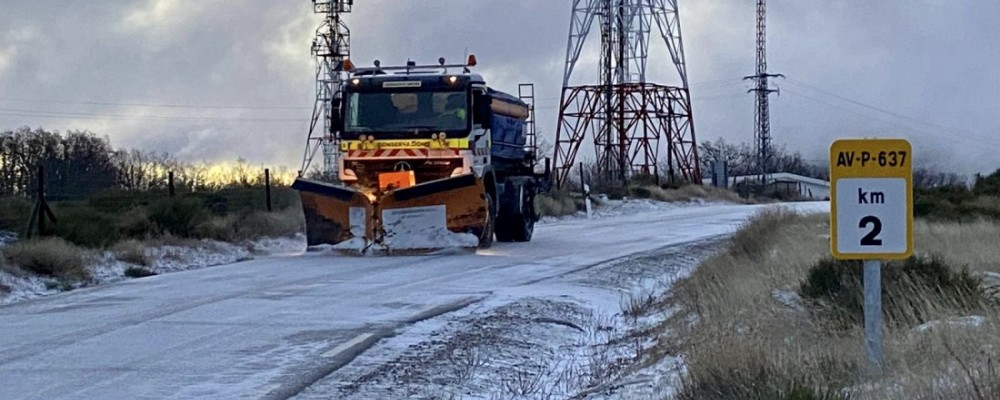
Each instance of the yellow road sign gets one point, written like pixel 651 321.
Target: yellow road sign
pixel 871 210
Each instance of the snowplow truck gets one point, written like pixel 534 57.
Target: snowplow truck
pixel 428 159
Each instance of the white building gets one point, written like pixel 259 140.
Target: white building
pixel 806 187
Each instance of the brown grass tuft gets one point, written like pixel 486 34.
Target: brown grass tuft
pixel 685 193
pixel 52 257
pixel 556 204
pixel 132 252
pixel 742 338
pixel 254 225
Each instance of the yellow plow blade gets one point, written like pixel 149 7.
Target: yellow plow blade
pixel 333 213
pixel 445 213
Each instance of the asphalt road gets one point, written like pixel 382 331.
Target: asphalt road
pixel 269 327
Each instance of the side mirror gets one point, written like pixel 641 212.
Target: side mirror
pixel 336 116
pixel 483 109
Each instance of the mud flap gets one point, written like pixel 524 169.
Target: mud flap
pixel 334 214
pixel 449 212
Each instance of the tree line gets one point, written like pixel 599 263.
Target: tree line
pixel 741 160
pixel 78 164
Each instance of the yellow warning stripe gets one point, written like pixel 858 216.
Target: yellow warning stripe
pixel 349 145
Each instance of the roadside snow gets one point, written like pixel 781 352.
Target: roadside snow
pixel 618 208
pixel 14 289
pixel 278 246
pixel 106 268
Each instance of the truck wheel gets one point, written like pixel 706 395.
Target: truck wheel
pixel 503 230
pixel 486 237
pixel 522 228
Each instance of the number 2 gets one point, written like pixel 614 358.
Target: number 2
pixel 871 239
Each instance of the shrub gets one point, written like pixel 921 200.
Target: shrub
pixel 52 257
pixel 132 252
pixel 754 237
pixel 177 216
pixel 85 227
pixel 958 203
pixel 116 201
pixel 138 272
pixel 274 224
pixel 684 193
pixel 556 204
pixel 988 185
pixel 134 223
pixel 911 290
pixel 759 383
pixel 255 225
pixel 14 213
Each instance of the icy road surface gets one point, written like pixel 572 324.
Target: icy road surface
pixel 269 328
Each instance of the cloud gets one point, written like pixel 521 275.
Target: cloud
pixel 244 73
pixel 159 14
pixel 11 43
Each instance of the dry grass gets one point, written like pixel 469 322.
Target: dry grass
pixel 973 244
pixel 52 257
pixel 132 252
pixel 743 342
pixel 685 193
pixel 255 225
pixel 556 204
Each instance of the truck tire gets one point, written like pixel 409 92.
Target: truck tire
pixel 503 230
pixel 486 236
pixel 521 228
pixel 517 227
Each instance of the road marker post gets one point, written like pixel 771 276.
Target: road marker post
pixel 871 219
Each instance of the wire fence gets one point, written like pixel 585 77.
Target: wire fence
pixel 34 211
pixel 75 185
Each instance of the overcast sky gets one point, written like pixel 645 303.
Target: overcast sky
pixel 213 80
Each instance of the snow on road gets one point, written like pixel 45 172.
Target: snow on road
pixel 552 340
pixel 271 327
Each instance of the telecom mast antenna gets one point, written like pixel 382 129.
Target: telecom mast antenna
pixel 625 115
pixel 762 91
pixel 332 48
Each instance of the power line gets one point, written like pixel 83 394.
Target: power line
pixel 881 110
pixel 884 111
pixel 909 129
pixel 73 115
pixel 183 106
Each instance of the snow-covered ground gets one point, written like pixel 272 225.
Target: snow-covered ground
pixel 106 268
pixel 572 336
pixel 274 326
pixel 617 208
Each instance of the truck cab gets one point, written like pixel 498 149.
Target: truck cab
pixel 429 148
pixel 384 112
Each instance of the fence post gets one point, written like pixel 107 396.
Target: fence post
pixel 583 181
pixel 41 210
pixel 41 200
pixel 170 183
pixel 267 187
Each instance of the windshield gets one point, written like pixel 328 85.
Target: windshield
pixel 414 111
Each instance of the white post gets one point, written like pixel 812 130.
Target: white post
pixel 586 199
pixel 873 316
